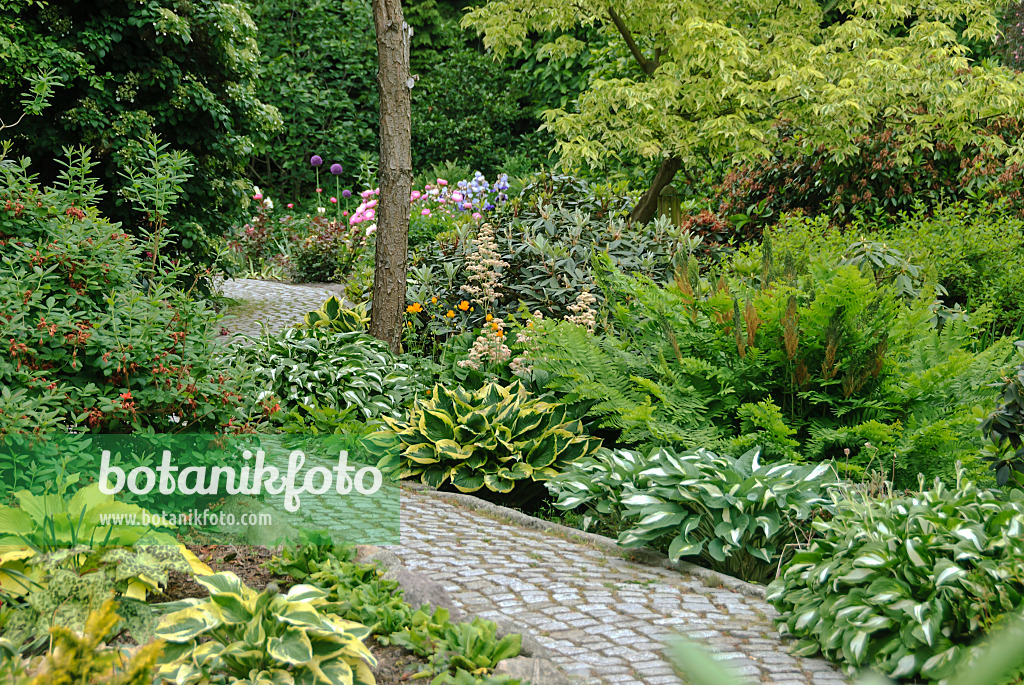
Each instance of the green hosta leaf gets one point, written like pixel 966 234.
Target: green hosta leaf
pixel 947 572
pixel 467 479
pixel 423 453
pixel 293 647
pixel 436 425
pixel 496 483
pixel 451 451
pixel 186 625
pixel 435 475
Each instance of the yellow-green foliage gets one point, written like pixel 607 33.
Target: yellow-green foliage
pixel 494 437
pixel 86 658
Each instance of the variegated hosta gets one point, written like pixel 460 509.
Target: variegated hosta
pixel 738 516
pixel 494 437
pixel 905 584
pixel 320 367
pixel 266 638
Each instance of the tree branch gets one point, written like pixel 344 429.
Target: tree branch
pixel 648 66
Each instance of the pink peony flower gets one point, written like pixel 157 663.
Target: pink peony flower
pixel 476 215
pixel 425 212
pixel 258 196
pixel 370 213
pixel 442 182
pixel 291 206
pixel 457 196
pixel 334 200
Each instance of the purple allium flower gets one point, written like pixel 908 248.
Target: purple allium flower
pixel 346 193
pixel 336 169
pixel 316 160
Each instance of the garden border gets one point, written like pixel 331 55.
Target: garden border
pixel 642 555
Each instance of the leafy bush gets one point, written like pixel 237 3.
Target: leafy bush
pixel 971 250
pixel 905 584
pixel 96 322
pixel 467 108
pixel 184 71
pixel 494 438
pixel 323 82
pixel 64 586
pixel 826 363
pixel 86 657
pixel 455 653
pixel 736 515
pixel 269 636
pixel 472 647
pixel 1005 428
pixel 320 367
pixel 334 316
pixel 61 559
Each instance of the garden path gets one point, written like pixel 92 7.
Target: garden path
pixel 277 305
pixel 601 616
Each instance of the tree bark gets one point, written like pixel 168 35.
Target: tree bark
pixel 395 173
pixel 647 206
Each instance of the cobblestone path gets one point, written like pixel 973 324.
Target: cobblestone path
pixel 601 616
pixel 277 305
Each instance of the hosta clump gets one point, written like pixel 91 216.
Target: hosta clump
pixel 492 438
pixel 906 584
pixel 264 637
pixel 319 366
pixel 737 516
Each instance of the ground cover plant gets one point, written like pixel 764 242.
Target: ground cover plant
pixel 905 584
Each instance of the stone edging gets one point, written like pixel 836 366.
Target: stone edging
pixel 643 555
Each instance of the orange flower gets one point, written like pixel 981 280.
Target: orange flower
pixel 488 317
pixel 500 334
pixel 450 314
pixel 464 305
pixel 414 308
pixel 433 300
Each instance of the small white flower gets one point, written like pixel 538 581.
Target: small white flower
pixel 268 203
pixel 321 210
pixel 371 229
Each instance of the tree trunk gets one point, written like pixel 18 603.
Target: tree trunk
pixel 647 206
pixel 395 174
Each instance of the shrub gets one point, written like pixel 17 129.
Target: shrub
pixel 493 438
pixel 1004 427
pixel 263 636
pixel 184 71
pixel 736 515
pixel 905 584
pixel 95 321
pixel 323 82
pixel 90 656
pixel 467 108
pixel 971 250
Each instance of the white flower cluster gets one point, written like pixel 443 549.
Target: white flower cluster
pixel 483 265
pixel 521 366
pixel 489 346
pixel 583 311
